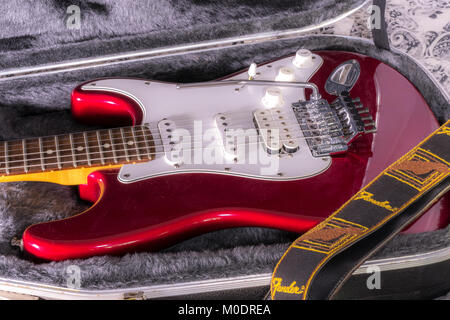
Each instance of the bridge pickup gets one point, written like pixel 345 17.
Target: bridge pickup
pixel 278 130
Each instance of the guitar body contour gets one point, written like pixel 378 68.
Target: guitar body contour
pixel 158 211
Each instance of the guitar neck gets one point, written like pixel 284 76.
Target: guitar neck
pixel 68 152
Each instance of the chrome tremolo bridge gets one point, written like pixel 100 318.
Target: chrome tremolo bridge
pixel 330 128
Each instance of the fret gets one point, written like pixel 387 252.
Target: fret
pixel 119 145
pixel 58 155
pixel 136 143
pixel 131 144
pixel 33 156
pixel 94 148
pixel 113 148
pixel 6 158
pixel 41 148
pixel 147 142
pixel 2 159
pixel 100 147
pixel 127 157
pixel 107 146
pixel 25 162
pixel 66 153
pixel 146 145
pixel 80 151
pixel 86 144
pixel 49 154
pixel 15 157
pixel 72 147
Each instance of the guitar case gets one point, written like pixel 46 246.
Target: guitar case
pixel 49 47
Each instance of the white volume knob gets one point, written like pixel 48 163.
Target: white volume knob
pixel 272 98
pixel 285 74
pixel 303 59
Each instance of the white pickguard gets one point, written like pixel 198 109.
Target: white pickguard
pixel 164 100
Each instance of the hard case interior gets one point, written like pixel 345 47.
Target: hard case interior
pixel 43 58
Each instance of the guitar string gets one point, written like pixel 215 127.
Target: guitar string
pixel 135 149
pixel 155 126
pixel 106 158
pixel 134 138
pixel 78 139
pixel 25 156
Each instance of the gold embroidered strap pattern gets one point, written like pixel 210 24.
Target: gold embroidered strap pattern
pixel 394 191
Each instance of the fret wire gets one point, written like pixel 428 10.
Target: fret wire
pixel 74 159
pixel 124 145
pixel 87 148
pixel 6 158
pixel 41 154
pixel 25 162
pixel 100 148
pixel 136 144
pixel 113 148
pixel 147 144
pixel 58 156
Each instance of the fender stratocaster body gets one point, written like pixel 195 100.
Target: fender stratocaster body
pixel 280 146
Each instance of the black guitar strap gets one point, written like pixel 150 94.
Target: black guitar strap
pixel 316 265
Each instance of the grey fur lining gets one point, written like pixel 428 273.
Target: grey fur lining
pixel 39 106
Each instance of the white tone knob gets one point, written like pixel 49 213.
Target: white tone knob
pixel 252 71
pixel 303 59
pixel 285 74
pixel 272 98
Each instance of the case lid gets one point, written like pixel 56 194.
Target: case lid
pixel 34 33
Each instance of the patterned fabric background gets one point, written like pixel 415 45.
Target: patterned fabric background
pixel 420 28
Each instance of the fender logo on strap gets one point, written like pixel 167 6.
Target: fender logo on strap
pixel 292 288
pixel 367 196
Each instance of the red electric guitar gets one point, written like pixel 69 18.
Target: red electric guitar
pixel 281 145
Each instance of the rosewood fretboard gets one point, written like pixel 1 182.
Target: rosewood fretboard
pixel 70 151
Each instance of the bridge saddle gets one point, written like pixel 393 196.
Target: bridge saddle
pixel 330 128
